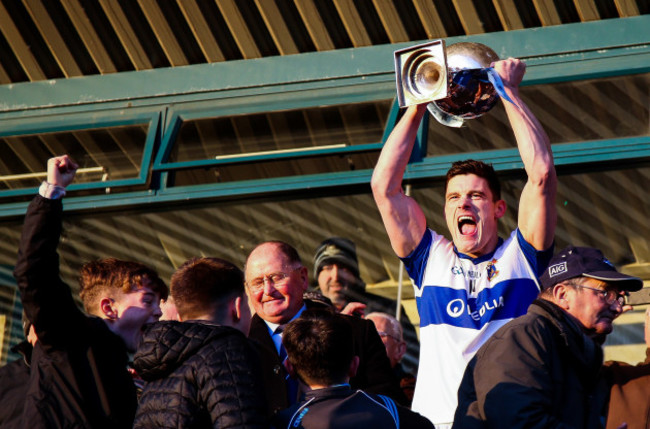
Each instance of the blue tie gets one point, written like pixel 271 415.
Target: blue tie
pixel 292 385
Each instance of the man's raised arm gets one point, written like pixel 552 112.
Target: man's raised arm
pixel 47 301
pixel 537 212
pixel 403 218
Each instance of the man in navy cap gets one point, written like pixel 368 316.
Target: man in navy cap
pixel 541 369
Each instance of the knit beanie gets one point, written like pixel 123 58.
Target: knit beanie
pixel 339 251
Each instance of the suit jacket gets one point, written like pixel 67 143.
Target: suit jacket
pixel 373 376
pixel 386 305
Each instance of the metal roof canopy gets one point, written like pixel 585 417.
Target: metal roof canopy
pixel 553 54
pixel 566 52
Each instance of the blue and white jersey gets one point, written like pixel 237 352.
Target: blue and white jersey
pixel 462 301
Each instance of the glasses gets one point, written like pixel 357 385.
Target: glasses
pixel 609 295
pixel 278 278
pixel 386 334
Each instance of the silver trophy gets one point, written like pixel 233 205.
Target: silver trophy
pixel 457 81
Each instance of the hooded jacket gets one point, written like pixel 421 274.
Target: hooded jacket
pixel 538 371
pixel 198 375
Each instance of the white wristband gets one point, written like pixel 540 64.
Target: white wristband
pixel 50 191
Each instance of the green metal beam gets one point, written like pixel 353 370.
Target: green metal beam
pixel 324 73
pixel 88 121
pixel 614 152
pixel 7 275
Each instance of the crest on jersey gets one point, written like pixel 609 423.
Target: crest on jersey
pixel 492 269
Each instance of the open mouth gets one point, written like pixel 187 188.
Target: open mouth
pixel 466 225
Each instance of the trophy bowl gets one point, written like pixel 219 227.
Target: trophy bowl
pixel 469 94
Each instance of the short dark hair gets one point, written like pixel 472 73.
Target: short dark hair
pixel 97 277
pixel 200 285
pixel 319 346
pixel 480 169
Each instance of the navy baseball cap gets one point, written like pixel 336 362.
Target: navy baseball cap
pixel 574 261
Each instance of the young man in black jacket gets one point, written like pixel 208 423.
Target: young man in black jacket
pixel 203 364
pixel 320 354
pixel 79 376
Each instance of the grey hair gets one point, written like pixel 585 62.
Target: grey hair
pixel 394 325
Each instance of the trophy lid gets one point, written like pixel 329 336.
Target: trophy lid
pixel 469 55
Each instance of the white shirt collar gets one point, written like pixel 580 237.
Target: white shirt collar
pixel 273 326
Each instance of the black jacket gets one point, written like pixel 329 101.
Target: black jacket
pixel 386 305
pixel 538 371
pixel 198 375
pixel 340 407
pixel 78 375
pixel 373 376
pixel 14 381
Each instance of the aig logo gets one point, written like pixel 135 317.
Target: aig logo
pixel 557 269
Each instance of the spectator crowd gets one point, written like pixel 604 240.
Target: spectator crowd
pixel 510 332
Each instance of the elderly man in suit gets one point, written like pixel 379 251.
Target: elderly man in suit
pixel 275 282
